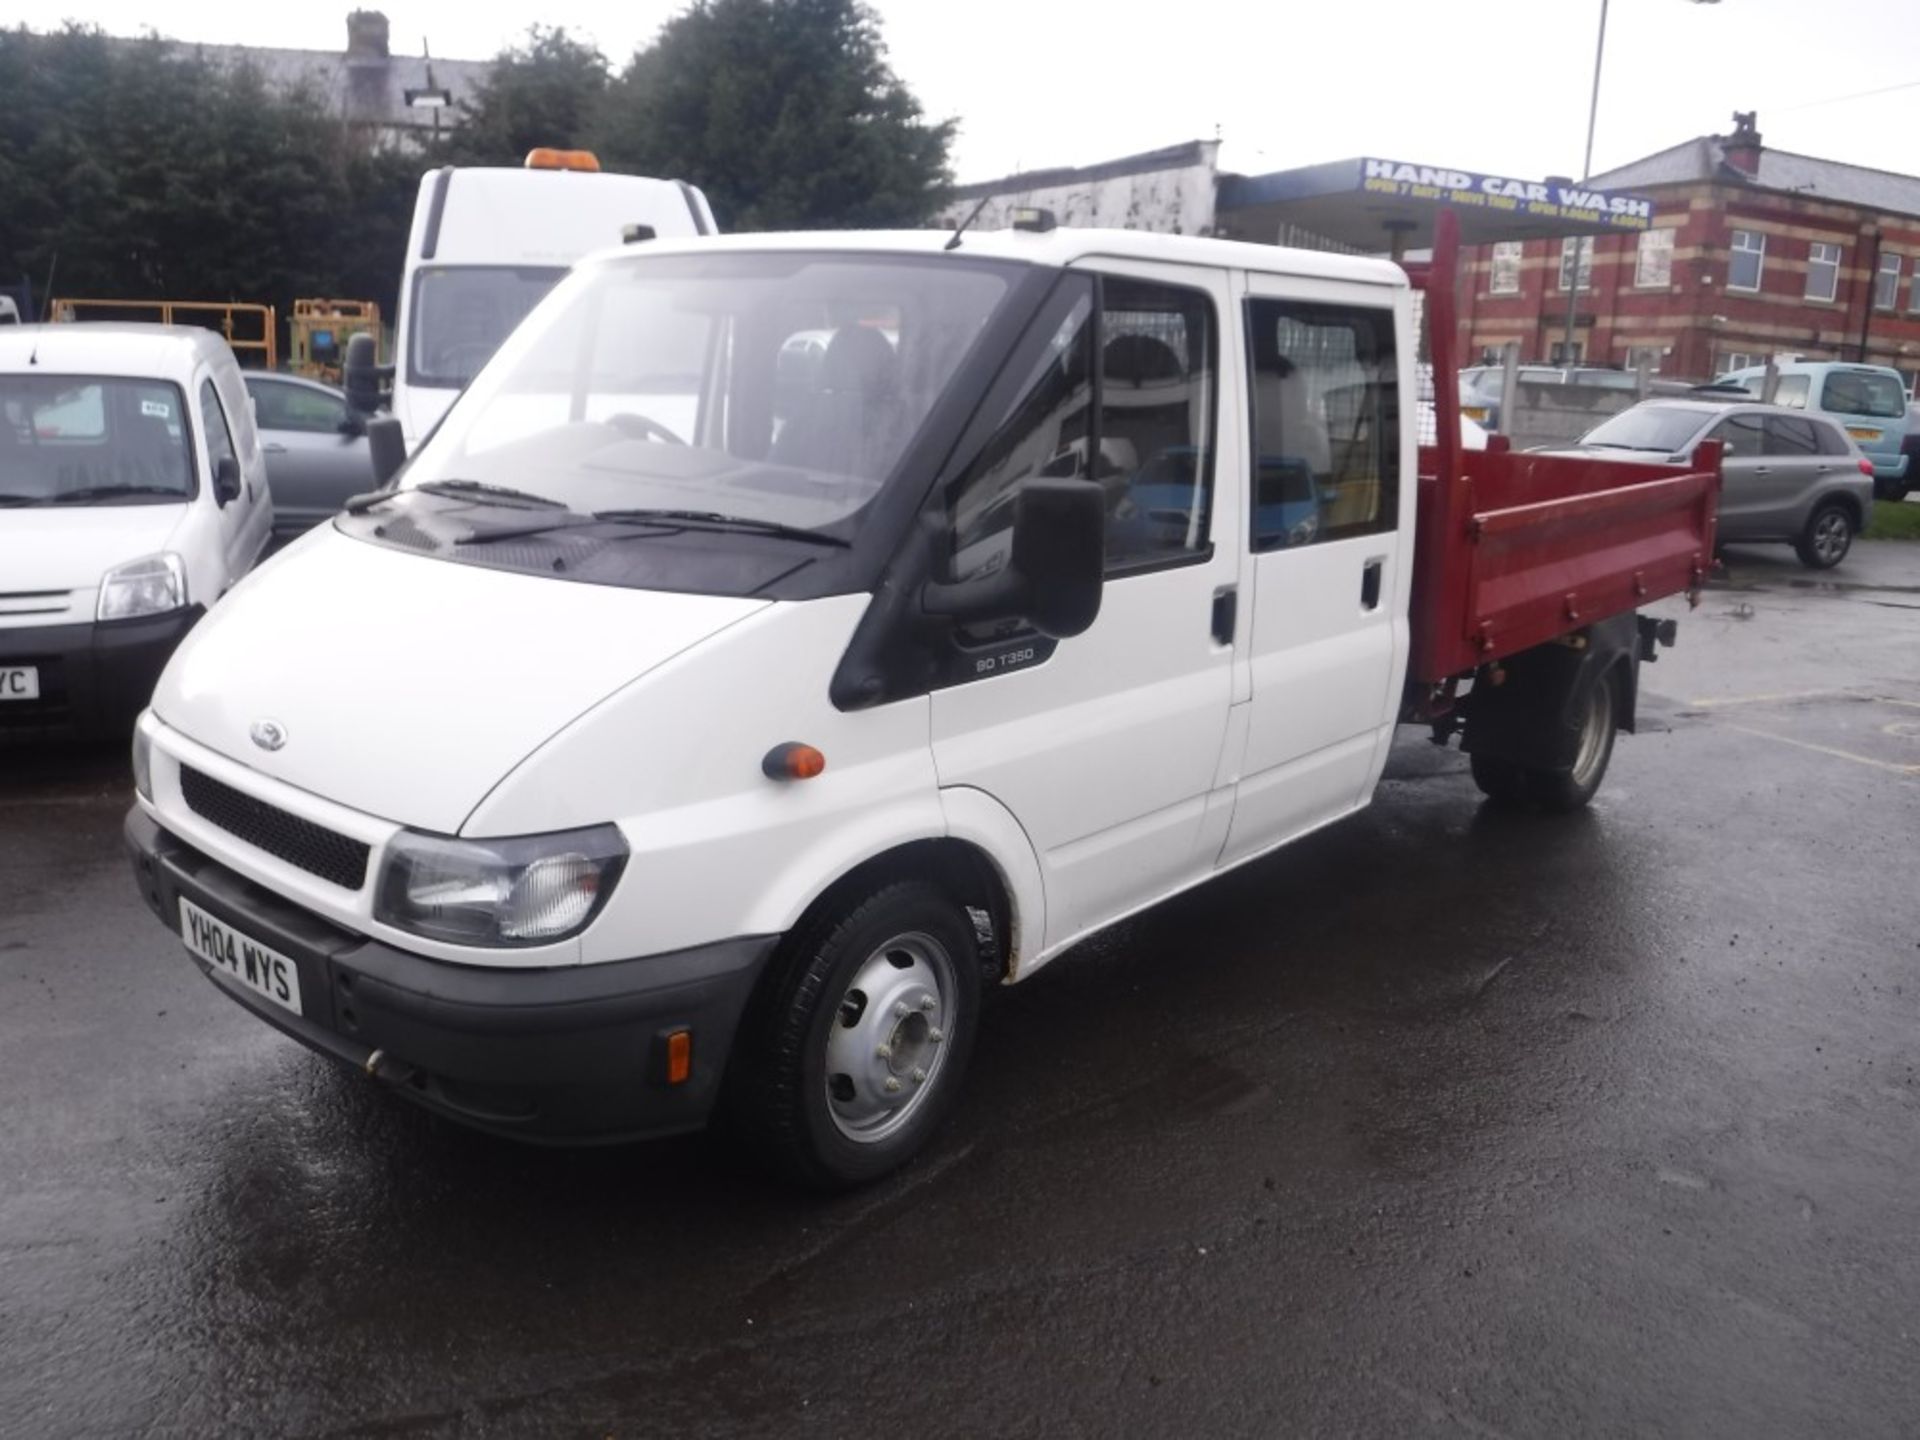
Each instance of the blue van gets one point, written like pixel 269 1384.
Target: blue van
pixel 1868 401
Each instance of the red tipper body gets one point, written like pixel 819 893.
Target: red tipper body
pixel 1513 549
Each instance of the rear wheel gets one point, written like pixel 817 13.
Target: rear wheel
pixel 1827 538
pixel 1565 790
pixel 853 1053
pixel 1501 781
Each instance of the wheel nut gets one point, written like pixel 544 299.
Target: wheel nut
pixel 893 1086
pixel 885 1052
pixel 899 1009
pixel 935 1034
pixel 927 1002
pixel 919 1075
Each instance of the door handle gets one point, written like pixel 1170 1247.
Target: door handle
pixel 275 449
pixel 1763 470
pixel 1226 612
pixel 1370 584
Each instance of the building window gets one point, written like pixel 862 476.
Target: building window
pixel 1505 268
pixel 1584 244
pixel 1653 261
pixel 1823 271
pixel 1734 360
pixel 1652 354
pixel 1744 263
pixel 1886 284
pixel 1562 355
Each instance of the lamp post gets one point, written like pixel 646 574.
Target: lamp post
pixel 1586 174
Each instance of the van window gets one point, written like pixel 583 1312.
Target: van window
pixel 1326 453
pixel 1863 392
pixel 1156 421
pixel 80 440
pixel 213 420
pixel 461 313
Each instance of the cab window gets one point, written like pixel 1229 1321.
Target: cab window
pixel 213 420
pixel 1326 452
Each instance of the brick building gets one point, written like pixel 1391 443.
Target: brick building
pixel 1752 252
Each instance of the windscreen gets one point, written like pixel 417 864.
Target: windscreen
pixel 1864 392
pixel 772 387
pixel 461 313
pixel 82 440
pixel 1658 428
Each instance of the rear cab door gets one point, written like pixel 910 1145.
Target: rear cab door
pixel 1330 541
pixel 1107 747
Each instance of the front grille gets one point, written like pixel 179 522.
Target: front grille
pixel 313 848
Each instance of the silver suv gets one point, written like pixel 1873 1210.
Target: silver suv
pixel 1789 475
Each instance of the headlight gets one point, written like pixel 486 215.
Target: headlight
pixel 142 761
pixel 529 890
pixel 151 586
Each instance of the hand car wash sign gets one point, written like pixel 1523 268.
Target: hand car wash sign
pixel 1497 193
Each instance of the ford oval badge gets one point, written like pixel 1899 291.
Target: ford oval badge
pixel 269 734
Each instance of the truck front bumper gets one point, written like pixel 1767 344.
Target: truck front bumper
pixel 567 1055
pixel 94 678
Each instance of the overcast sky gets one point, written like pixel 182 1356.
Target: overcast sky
pixel 1488 85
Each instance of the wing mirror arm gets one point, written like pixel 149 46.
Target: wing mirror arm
pixel 1055 572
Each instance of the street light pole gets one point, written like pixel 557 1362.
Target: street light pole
pixel 1586 173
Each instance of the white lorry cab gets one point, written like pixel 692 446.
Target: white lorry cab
pixel 133 494
pixel 699 724
pixel 487 243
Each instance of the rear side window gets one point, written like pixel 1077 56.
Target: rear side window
pixel 1829 438
pixel 213 420
pixel 294 407
pixel 1791 435
pixel 1326 448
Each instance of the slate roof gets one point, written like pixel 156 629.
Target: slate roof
pixel 1704 158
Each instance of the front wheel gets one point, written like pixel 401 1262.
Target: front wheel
pixel 853 1053
pixel 1827 538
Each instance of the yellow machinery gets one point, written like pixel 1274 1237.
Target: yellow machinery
pixel 318 332
pixel 250 330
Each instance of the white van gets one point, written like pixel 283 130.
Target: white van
pixel 702 722
pixel 488 243
pixel 133 494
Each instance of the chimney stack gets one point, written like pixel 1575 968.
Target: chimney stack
pixel 1743 146
pixel 367 35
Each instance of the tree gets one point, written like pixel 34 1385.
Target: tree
pixel 544 92
pixel 785 112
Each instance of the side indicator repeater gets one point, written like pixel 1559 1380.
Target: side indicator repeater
pixel 792 761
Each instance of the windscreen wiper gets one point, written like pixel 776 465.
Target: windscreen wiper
pixel 713 520
pixel 470 489
pixel 98 492
pixel 11 499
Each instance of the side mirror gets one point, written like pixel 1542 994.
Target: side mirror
pixel 226 480
pixel 1054 576
pixel 353 424
pixel 359 376
pixel 387 448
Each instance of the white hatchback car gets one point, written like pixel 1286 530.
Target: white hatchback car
pixel 133 493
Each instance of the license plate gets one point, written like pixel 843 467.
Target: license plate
pixel 1857 433
pixel 19 682
pixel 265 972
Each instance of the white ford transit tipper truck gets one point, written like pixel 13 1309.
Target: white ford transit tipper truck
pixel 701 722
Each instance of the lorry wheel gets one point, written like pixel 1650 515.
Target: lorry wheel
pixel 1566 790
pixel 1501 781
pixel 853 1053
pixel 1827 538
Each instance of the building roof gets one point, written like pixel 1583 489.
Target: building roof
pixel 363 89
pixel 1704 158
pixel 1171 157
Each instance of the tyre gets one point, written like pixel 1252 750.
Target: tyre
pixel 854 1049
pixel 1567 790
pixel 1501 781
pixel 1890 490
pixel 1827 538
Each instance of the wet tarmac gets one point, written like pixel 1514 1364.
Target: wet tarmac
pixel 1445 1121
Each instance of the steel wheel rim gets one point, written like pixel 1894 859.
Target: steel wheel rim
pixel 1593 736
pixel 1830 536
pixel 886 1045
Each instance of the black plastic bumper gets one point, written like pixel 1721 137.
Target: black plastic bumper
pixel 94 678
pixel 568 1055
